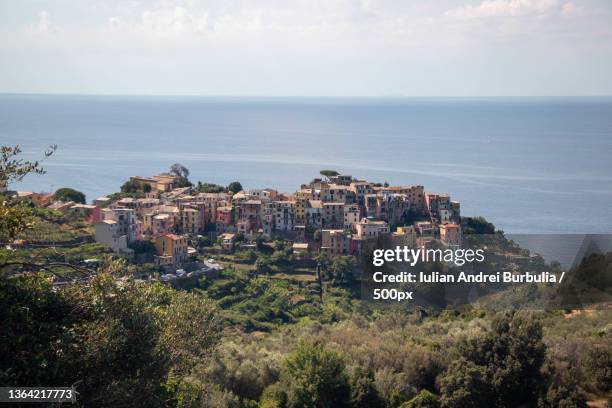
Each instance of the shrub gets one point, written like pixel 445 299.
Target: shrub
pixel 314 377
pixel 424 399
pixel 69 194
pixel 599 365
pixel 273 397
pixel 563 396
pixel 363 389
pixel 465 385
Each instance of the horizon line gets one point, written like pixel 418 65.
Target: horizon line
pixel 228 96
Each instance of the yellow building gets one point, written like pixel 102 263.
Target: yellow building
pixel 171 250
pixel 300 210
pixel 160 183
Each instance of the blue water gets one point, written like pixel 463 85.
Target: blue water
pixel 529 165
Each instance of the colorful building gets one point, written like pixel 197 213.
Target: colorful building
pixel 171 250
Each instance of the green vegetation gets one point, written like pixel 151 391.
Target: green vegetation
pixel 132 188
pixel 314 376
pixel 14 213
pixel 182 175
pixel 210 188
pixel 69 194
pixel 478 225
pixel 244 340
pixel 234 187
pixel 424 399
pixel 112 341
pixel 329 173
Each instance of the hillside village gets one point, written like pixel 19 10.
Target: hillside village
pixel 335 216
pixel 332 216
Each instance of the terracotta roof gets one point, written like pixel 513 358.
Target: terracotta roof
pixel 174 237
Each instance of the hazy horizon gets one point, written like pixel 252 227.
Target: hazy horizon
pixel 239 96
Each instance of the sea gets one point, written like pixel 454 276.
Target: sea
pixel 529 165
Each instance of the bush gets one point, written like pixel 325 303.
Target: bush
pixel 273 397
pixel 424 399
pixel 69 194
pixel 234 187
pixel 599 365
pixel 478 225
pixel 314 376
pixel 363 389
pixel 204 242
pixel 563 396
pixel 465 385
pixel 502 366
pixel 114 340
pixel 210 188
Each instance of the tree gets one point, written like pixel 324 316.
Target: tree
pixel 478 225
pixel 13 213
pixel 363 389
pixel 179 170
pixel 182 174
pixel 503 366
pixel 409 216
pixel 234 187
pixel 204 242
pixel 424 399
pixel 111 339
pixel 314 376
pixel 190 331
pixel 32 315
pixel 342 270
pixel 259 242
pixel 599 365
pixel 69 194
pixel 210 188
pixel 329 173
pixel 465 385
pixel 142 247
pixel 134 187
pixel 262 266
pixel 273 397
pixel 14 216
pixel 283 256
pixel 564 396
pixel 13 169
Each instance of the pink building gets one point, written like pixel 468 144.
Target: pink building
pixel 225 218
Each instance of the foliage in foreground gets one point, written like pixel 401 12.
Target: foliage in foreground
pixel 113 339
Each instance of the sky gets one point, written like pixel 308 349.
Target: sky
pixel 307 47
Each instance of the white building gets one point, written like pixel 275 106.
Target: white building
pixel 370 229
pixel 285 215
pixel 117 228
pixel 109 234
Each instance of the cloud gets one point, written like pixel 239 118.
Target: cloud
pixel 170 18
pixel 504 8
